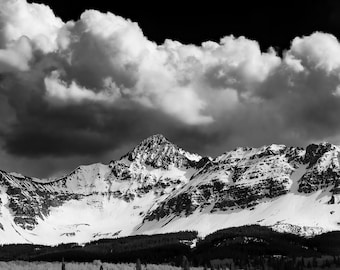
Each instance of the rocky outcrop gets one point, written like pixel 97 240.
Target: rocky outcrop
pixel 238 179
pixel 323 168
pixel 315 151
pixel 157 152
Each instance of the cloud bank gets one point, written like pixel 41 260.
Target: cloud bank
pixel 93 86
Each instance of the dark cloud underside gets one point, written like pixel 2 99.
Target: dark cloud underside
pixel 87 90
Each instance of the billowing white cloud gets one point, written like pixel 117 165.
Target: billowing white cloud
pixel 35 21
pixel 318 51
pixel 103 63
pixel 16 56
pixel 58 92
pixel 177 79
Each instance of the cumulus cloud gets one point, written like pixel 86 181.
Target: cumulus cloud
pixel 35 21
pixel 319 51
pixel 91 86
pixel 16 56
pixel 58 92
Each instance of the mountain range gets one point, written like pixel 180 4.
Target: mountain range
pixel 157 187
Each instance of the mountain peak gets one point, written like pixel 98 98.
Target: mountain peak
pixel 153 143
pixel 157 139
pixel 158 152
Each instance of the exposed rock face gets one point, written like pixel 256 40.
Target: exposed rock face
pixel 315 151
pixel 323 168
pixel 160 181
pixel 30 201
pixel 157 152
pixel 238 179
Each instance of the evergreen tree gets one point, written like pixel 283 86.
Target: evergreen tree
pixel 337 261
pixel 315 262
pixel 302 266
pixel 138 265
pixel 327 264
pixel 185 263
pixel 63 267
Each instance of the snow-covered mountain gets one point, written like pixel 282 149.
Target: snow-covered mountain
pixel 158 187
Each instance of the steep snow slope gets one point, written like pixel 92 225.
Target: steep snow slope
pixel 93 201
pixel 158 187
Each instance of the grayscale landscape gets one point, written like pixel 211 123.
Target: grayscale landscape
pixel 141 136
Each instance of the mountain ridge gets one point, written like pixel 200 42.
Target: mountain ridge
pixel 159 187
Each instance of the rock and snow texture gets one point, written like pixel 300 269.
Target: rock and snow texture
pixel 158 187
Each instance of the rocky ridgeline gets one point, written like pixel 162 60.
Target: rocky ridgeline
pixel 181 182
pixel 245 177
pixel 30 201
pixel 237 179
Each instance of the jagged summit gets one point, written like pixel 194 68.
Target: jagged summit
pixel 158 152
pixel 152 144
pixel 156 138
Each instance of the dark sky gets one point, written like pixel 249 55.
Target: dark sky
pixel 272 23
pixel 241 73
